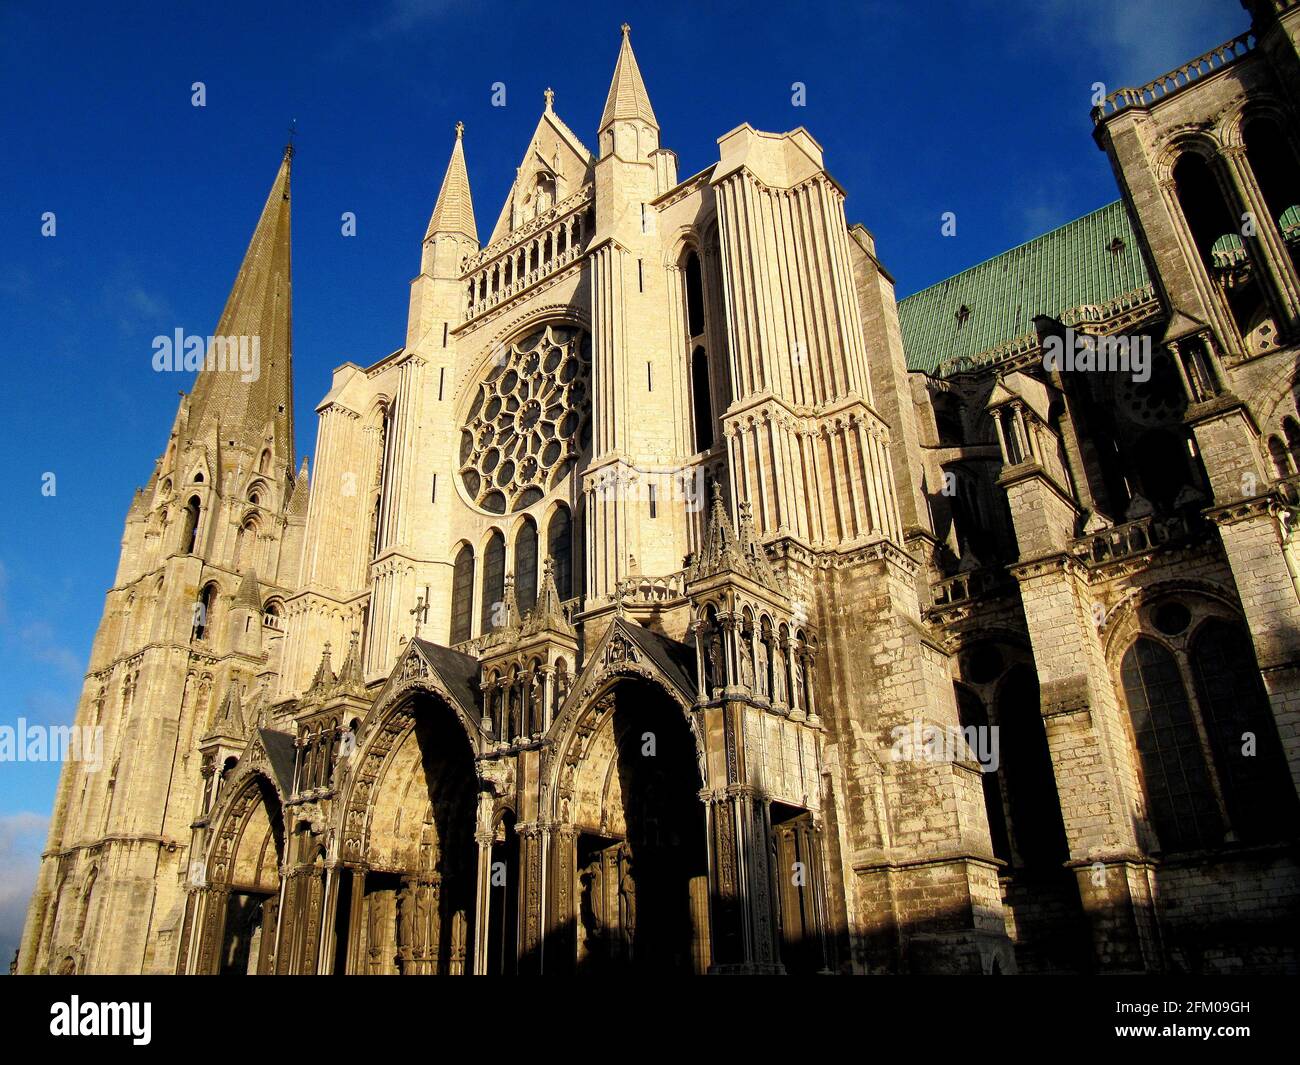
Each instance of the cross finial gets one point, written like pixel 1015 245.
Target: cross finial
pixel 550 97
pixel 626 29
pixel 460 130
pixel 418 613
pixel 293 132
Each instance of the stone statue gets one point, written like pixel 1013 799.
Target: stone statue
pixel 406 919
pixel 535 697
pixel 627 900
pixel 457 943
pixel 715 669
pixel 762 669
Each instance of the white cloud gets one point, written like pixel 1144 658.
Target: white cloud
pixel 1133 43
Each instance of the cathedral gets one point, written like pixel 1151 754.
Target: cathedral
pixel 674 599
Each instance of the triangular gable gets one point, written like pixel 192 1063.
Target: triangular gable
pixel 1032 391
pixel 271 752
pixel 1000 394
pixel 1181 325
pixel 452 674
pixel 553 149
pixel 630 648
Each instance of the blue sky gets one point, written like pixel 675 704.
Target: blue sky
pixel 978 108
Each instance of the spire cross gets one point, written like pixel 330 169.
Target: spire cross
pixel 460 130
pixel 418 612
pixel 550 98
pixel 293 132
pixel 626 29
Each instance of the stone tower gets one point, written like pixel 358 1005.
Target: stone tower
pixel 190 638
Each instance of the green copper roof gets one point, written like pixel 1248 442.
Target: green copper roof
pixel 1066 268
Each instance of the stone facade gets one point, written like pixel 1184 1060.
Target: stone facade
pixel 688 620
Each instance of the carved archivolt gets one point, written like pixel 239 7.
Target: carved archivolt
pixel 382 732
pixel 587 708
pixel 246 789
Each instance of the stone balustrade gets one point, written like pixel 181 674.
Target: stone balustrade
pixel 529 254
pixel 1215 59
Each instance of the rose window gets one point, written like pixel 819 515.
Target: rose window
pixel 529 421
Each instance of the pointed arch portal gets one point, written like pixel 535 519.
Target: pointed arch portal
pixel 410 905
pixel 641 855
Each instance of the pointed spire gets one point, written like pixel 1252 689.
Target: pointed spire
pixel 297 505
pixel 259 309
pixel 723 551
pixel 248 597
pixel 454 211
pixel 760 568
pixel 350 681
pixel 324 680
pixel 627 97
pixel 230 718
pixel 548 614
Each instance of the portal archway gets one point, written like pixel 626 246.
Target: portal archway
pixel 641 855
pixel 415 896
pixel 244 889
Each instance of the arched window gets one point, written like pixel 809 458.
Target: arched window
pixel 381 420
pixel 694 297
pixel 245 541
pixel 1280 457
pixel 971 714
pixel 190 531
pixel 1208 216
pixel 1026 764
pixel 1180 804
pixel 526 566
pixel 1272 158
pixel 1215 231
pixel 462 595
pixel 701 397
pixel 1291 430
pixel 559 546
pixel 1248 755
pixel 701 401
pixel 494 581
pixel 203 611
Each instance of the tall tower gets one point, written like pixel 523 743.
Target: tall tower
pixel 191 626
